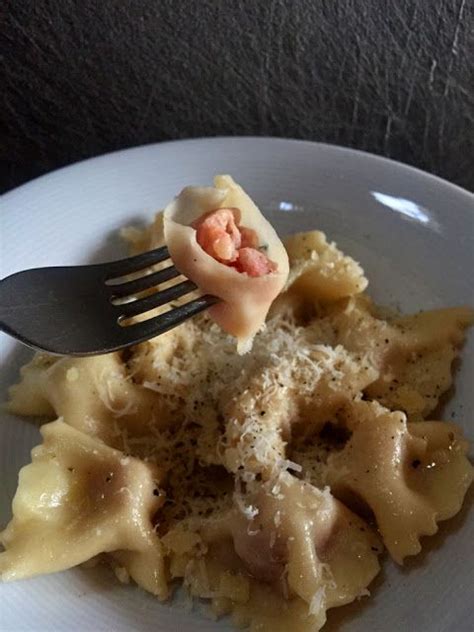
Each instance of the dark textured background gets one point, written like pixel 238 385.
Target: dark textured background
pixel 82 77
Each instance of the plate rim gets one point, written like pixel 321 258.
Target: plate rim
pixel 389 162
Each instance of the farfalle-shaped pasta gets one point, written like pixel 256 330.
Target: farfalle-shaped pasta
pixel 394 466
pixel 417 366
pixel 292 538
pixel 79 498
pixel 148 238
pixel 94 395
pixel 246 298
pixel 413 355
pixel 320 271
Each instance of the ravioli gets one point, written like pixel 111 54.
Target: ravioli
pixel 401 470
pixel 245 299
pixel 79 498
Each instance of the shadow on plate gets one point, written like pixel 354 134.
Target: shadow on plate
pixel 338 618
pixel 432 543
pixel 113 246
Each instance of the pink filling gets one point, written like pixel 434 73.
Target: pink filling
pixel 219 234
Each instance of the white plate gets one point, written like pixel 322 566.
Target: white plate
pixel 413 234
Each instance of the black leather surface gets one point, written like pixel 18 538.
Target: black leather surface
pixel 82 77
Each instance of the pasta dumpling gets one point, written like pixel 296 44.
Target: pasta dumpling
pixel 413 354
pixel 246 296
pixel 105 405
pixel 394 466
pixel 289 536
pixel 320 271
pixel 79 498
pixel 306 535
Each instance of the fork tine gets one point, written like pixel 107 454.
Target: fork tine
pixel 164 322
pixel 134 264
pixel 143 283
pixel 155 300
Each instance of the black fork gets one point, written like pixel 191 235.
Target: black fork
pixel 85 310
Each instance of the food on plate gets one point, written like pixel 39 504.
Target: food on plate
pixel 268 483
